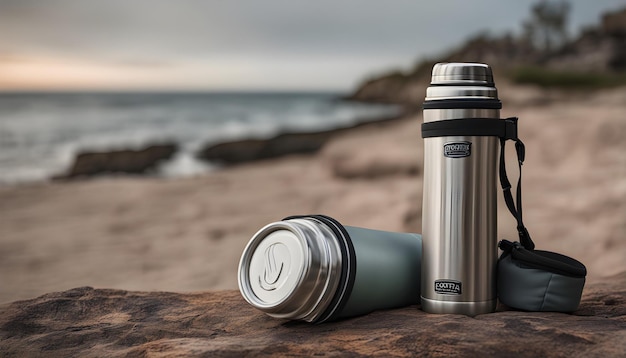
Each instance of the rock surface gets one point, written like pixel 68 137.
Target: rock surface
pixel 119 161
pixel 94 323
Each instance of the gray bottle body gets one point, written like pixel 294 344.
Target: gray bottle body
pixel 312 268
pixel 387 266
pixel 459 212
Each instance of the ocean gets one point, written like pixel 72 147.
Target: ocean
pixel 41 133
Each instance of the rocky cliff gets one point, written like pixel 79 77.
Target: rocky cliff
pixel 598 50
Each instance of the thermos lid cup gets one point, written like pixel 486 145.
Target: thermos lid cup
pixel 461 82
pixel 462 73
pixel 292 269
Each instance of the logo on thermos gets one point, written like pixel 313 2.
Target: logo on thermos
pixel 457 149
pixel 448 287
pixel 273 268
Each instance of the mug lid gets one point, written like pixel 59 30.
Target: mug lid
pixel 462 73
pixel 291 269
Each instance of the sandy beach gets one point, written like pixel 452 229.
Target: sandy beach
pixel 138 233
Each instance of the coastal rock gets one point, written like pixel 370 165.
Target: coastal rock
pixel 248 150
pixel 396 87
pixel 119 161
pixel 93 323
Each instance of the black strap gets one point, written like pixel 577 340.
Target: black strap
pixel 516 210
pixel 505 129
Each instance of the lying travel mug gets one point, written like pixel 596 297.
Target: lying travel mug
pixel 314 269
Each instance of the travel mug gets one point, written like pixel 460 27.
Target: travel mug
pixel 459 223
pixel 314 269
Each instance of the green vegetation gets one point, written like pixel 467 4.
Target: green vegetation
pixel 566 79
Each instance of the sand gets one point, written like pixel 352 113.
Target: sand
pixel 138 233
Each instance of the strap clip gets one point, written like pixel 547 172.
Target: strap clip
pixel 524 238
pixel 510 128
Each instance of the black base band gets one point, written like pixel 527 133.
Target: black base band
pixel 503 128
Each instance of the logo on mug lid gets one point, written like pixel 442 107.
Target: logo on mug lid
pixel 273 267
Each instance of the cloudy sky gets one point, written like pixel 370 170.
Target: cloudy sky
pixel 239 45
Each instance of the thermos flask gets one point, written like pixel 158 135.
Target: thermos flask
pixel 314 269
pixel 459 223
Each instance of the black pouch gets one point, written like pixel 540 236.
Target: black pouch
pixel 535 280
pixel 529 279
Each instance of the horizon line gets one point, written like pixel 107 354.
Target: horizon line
pixel 166 91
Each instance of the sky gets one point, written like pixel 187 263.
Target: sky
pixel 279 45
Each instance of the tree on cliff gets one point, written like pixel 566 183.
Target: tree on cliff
pixel 547 27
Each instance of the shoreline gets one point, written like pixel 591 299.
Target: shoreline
pixel 152 158
pixel 43 136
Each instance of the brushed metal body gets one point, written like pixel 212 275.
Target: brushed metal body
pixel 459 216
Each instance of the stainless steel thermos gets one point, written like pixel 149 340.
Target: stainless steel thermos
pixel 459 220
pixel 314 269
